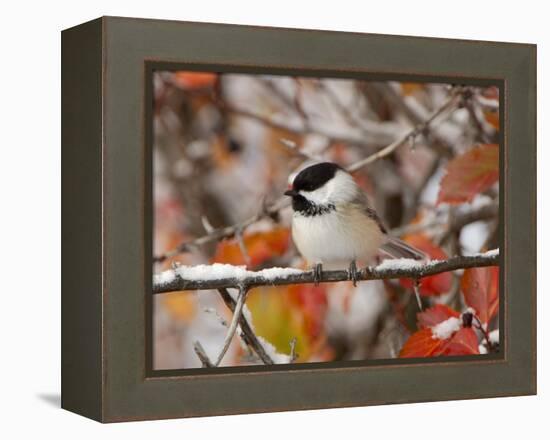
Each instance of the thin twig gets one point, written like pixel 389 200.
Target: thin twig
pixel 298 93
pixel 416 193
pixel 485 334
pixel 484 130
pixel 207 225
pixel 293 355
pixel 483 212
pixel 277 93
pixel 415 115
pixel 242 246
pixel 349 117
pixel 448 106
pixel 234 322
pixel 220 318
pixel 361 131
pixel 456 223
pixel 459 220
pixel 348 135
pixel 293 148
pixel 248 335
pixel 171 281
pixel 215 235
pixel 416 288
pixel 201 354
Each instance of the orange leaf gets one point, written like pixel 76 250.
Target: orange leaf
pixel 434 315
pixel 492 117
pixel 469 174
pixel 480 288
pixel 434 284
pixel 180 305
pixel 260 246
pixel 422 344
pixel 409 88
pixel 463 342
pixel 194 80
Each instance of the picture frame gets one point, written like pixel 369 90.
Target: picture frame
pixel 107 219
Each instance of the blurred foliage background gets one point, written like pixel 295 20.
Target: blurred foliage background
pixel 225 146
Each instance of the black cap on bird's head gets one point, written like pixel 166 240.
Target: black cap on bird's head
pixel 313 177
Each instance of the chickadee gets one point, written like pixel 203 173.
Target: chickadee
pixel 333 221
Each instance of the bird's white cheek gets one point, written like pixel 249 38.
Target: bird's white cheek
pixel 318 197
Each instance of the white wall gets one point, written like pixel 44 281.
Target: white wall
pixel 30 188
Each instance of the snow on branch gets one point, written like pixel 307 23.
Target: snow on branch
pixel 240 321
pixel 219 276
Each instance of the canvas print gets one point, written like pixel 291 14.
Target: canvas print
pixel 302 219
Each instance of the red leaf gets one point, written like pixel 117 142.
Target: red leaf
pixel 469 174
pixel 463 342
pixel 434 284
pixel 422 344
pixel 312 303
pixel 480 288
pixel 194 80
pixel 260 247
pixel 434 315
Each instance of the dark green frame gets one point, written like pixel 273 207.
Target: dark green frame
pixel 106 215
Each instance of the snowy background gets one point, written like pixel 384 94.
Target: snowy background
pixel 225 146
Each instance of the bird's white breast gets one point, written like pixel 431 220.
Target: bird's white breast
pixel 338 236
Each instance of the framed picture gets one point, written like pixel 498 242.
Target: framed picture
pixel 263 219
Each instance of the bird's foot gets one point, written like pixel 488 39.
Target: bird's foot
pixel 317 273
pixel 353 273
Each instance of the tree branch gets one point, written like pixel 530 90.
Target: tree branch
pixel 449 105
pixel 201 354
pixel 217 234
pixel 351 119
pixel 451 224
pixel 378 134
pixel 483 212
pixel 293 355
pixel 220 276
pixel 293 148
pixel 237 313
pixel 456 223
pixel 415 115
pixel 248 335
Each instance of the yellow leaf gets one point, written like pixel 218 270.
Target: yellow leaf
pixel 180 305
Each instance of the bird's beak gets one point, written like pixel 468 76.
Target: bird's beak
pixel 291 193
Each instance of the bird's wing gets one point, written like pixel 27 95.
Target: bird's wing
pixel 393 247
pixel 396 248
pixel 362 202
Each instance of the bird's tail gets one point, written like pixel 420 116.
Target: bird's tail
pixel 399 249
